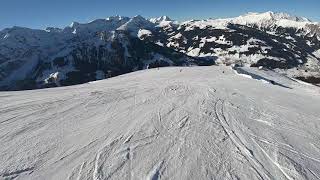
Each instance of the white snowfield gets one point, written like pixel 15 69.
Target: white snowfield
pixel 167 123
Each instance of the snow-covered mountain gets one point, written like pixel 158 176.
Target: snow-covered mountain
pixel 167 123
pixel 79 53
pixel 271 19
pixel 264 21
pixel 108 47
pixel 160 19
pixel 278 41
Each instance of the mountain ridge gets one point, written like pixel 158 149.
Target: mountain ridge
pixel 39 55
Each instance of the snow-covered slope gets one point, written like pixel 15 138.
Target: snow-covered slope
pixel 160 19
pixel 135 24
pixel 164 22
pixel 273 40
pixel 171 123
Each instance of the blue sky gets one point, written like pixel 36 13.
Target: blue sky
pixel 59 13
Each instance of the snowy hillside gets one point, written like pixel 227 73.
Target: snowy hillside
pixel 103 48
pixel 285 43
pixel 167 123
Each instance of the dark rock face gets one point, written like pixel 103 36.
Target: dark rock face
pixel 312 80
pixel 112 62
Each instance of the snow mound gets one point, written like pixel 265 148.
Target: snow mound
pixel 167 123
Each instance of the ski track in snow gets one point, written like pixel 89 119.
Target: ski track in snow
pixel 198 123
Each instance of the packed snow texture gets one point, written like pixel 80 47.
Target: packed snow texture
pixel 167 123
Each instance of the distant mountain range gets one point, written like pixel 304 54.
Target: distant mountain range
pixel 79 53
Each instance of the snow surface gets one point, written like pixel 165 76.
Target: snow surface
pixel 167 123
pixel 193 52
pixel 144 32
pixel 317 53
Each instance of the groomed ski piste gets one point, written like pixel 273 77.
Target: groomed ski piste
pixel 168 123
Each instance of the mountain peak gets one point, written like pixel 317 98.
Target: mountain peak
pixel 160 19
pixel 74 24
pixel 136 23
pixel 275 16
pixel 138 17
pixel 270 19
pixel 115 18
pixel 53 29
